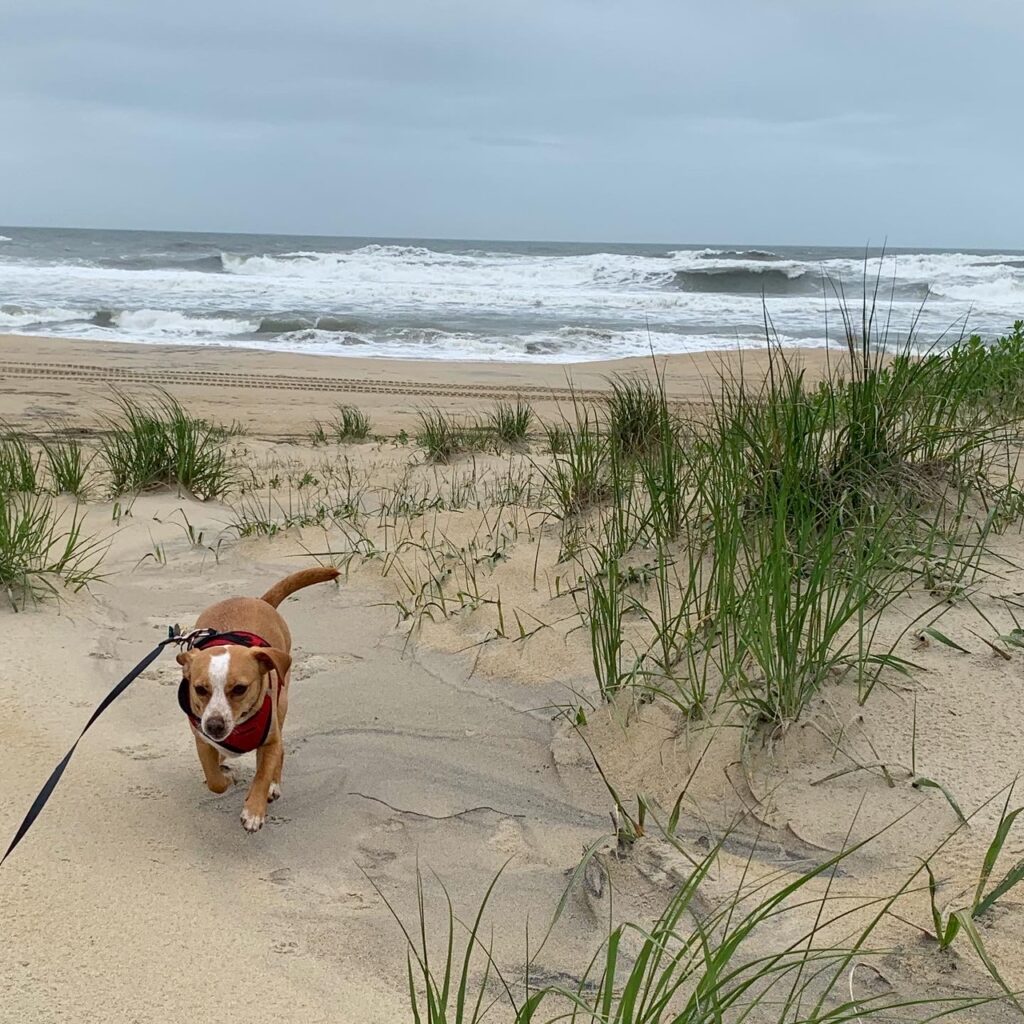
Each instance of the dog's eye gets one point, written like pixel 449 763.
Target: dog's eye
pixel 239 690
pixel 202 691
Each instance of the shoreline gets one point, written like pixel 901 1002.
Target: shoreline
pixel 68 381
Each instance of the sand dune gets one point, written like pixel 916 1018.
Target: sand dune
pixel 435 742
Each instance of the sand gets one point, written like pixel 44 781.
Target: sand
pixel 68 380
pixel 138 897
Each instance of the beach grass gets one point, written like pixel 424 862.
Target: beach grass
pixel 160 444
pixel 510 422
pixel 68 463
pixel 44 547
pixel 19 466
pixel 779 949
pixel 349 425
pixel 440 435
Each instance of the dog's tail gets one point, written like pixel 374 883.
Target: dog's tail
pixel 304 578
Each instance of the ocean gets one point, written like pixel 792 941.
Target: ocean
pixel 522 301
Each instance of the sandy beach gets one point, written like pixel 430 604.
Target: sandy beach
pixel 433 738
pixel 63 379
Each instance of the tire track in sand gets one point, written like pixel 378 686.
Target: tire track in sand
pixel 202 377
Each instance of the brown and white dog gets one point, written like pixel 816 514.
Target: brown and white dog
pixel 234 689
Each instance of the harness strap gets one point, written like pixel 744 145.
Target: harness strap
pixel 232 638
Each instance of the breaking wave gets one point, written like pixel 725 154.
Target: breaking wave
pixel 531 301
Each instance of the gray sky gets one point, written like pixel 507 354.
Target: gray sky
pixel 817 121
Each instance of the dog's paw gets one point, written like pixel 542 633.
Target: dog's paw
pixel 252 822
pixel 274 792
pixel 221 785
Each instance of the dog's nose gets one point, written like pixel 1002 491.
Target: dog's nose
pixel 216 727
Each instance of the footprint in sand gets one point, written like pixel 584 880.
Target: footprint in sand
pixel 306 666
pixel 509 838
pixel 279 876
pixel 104 651
pixel 140 752
pixel 146 792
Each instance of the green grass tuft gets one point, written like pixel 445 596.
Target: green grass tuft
pixel 41 546
pixel 440 435
pixel 511 424
pixel 162 445
pixel 19 468
pixel 67 462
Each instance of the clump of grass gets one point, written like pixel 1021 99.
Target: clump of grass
pixel 67 462
pixel 636 413
pixel 578 477
pixel 18 466
pixel 352 424
pixel 606 607
pixel 440 435
pixel 556 438
pixel 162 445
pixel 349 425
pixel 510 423
pixel 41 546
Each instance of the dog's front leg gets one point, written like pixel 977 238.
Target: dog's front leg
pixel 217 779
pixel 268 768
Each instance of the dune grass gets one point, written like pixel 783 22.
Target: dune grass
pixel 511 422
pixel 160 444
pixel 68 463
pixel 786 521
pixel 444 435
pixel 780 949
pixel 440 435
pixel 43 547
pixel 19 467
pixel 349 425
pixel 635 413
pixel 43 543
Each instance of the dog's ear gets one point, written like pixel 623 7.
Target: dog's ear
pixel 270 658
pixel 184 659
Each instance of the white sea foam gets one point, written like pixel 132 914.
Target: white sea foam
pixel 546 305
pixel 13 317
pixel 155 322
pixel 6 238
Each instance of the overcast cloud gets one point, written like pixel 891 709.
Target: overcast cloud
pixel 800 121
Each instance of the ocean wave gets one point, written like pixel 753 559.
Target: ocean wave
pixel 206 264
pixel 554 302
pixel 6 238
pixel 738 254
pixel 312 264
pixel 749 280
pixel 151 322
pixel 289 324
pixel 14 317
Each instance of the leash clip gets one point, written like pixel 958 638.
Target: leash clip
pixel 187 640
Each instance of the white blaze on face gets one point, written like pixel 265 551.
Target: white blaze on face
pixel 218 707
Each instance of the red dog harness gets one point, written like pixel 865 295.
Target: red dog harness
pixel 247 735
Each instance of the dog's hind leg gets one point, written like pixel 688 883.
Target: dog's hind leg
pixel 282 710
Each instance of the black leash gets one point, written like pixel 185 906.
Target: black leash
pixel 174 636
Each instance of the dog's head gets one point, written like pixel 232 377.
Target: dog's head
pixel 226 685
